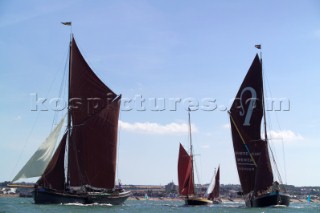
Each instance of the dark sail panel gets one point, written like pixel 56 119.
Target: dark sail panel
pixel 94 112
pixel 88 94
pixel 53 177
pixel 216 189
pixel 93 149
pixel 186 185
pixel 263 182
pixel 245 116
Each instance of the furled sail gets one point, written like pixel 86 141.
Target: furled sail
pixel 245 116
pixel 213 190
pixel 185 177
pixel 93 139
pixel 40 159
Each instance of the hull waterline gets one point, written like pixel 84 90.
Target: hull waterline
pixel 197 201
pixel 269 200
pixel 54 197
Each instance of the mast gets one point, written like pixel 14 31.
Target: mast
pixel 263 101
pixel 191 149
pixel 69 112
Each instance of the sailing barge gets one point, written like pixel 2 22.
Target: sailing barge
pixel 88 148
pixel 251 151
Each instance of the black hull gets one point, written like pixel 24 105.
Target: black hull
pixel 216 202
pixel 53 197
pixel 114 199
pixel 269 200
pixel 197 201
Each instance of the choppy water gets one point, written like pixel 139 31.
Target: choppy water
pixel 16 205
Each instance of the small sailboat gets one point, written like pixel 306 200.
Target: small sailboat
pixel 251 151
pixel 186 176
pixel 83 167
pixel 213 191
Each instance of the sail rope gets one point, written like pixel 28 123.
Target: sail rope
pixel 242 139
pixel 118 147
pixel 62 89
pixel 197 172
pixel 195 167
pixel 61 94
pixel 272 150
pixel 34 125
pixel 275 165
pixel 25 143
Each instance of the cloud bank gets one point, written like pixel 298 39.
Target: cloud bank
pixel 156 128
pixel 286 135
pixel 226 126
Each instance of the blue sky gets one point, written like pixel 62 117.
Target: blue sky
pixel 166 50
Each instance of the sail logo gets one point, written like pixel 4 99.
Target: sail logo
pixel 251 105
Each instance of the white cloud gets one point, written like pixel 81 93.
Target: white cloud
pixel 286 135
pixel 226 126
pixel 155 128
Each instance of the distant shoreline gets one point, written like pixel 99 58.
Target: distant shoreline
pixel 9 195
pixel 224 200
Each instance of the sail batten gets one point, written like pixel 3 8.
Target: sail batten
pixel 246 115
pixel 41 158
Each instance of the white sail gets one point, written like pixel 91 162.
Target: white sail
pixel 40 159
pixel 211 185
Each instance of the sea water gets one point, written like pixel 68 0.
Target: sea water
pixel 26 205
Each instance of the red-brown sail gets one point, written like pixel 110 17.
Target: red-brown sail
pixel 88 94
pixel 263 182
pixel 93 151
pixel 245 115
pixel 53 176
pixel 216 189
pixel 93 139
pixel 185 177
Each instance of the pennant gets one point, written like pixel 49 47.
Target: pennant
pixel 258 46
pixel 69 23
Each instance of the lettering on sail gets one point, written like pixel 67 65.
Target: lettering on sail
pixel 244 161
pixel 251 106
